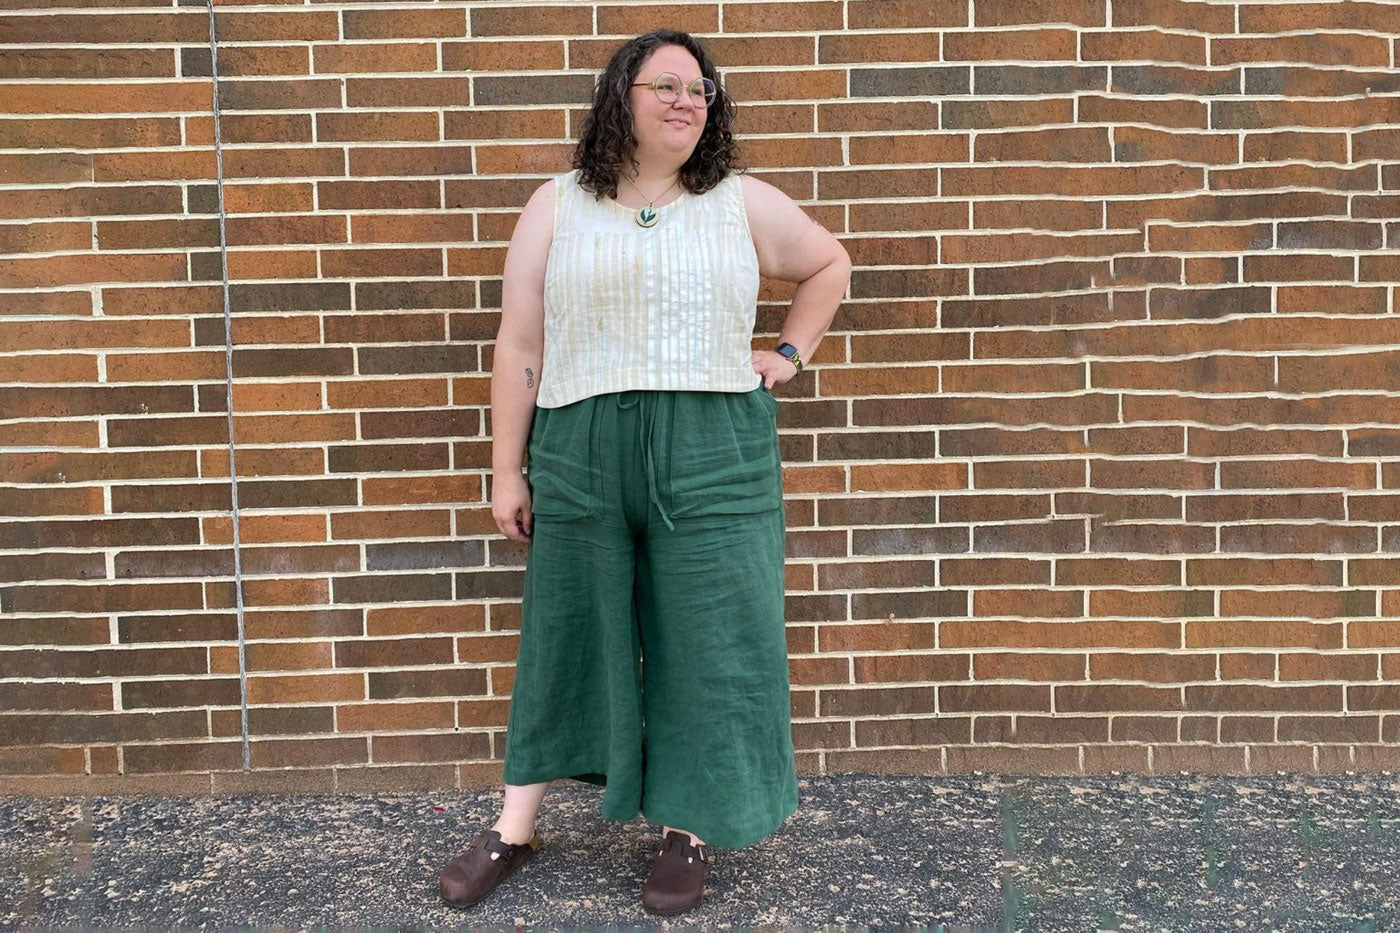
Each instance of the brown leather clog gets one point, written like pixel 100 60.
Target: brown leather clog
pixel 677 879
pixel 486 863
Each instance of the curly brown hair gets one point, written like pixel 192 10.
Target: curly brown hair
pixel 607 140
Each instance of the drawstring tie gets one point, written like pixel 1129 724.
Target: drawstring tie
pixel 646 435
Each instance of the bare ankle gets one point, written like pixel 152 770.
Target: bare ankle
pixel 514 832
pixel 694 839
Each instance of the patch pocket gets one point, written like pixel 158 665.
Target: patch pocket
pixel 724 454
pixel 768 398
pixel 559 469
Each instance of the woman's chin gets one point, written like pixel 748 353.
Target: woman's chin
pixel 674 146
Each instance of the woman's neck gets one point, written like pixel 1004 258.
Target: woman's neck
pixel 652 182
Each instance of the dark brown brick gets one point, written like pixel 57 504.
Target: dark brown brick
pixel 877 701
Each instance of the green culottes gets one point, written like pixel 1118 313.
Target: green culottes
pixel 653 653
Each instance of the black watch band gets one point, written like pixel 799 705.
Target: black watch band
pixel 789 351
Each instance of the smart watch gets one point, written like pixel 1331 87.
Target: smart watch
pixel 789 351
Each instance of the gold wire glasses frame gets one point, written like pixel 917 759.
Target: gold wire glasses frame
pixel 667 88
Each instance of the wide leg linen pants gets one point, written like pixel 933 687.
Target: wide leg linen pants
pixel 653 655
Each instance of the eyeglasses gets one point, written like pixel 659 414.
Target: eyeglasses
pixel 668 88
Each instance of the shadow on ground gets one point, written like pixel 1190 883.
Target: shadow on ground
pixel 955 853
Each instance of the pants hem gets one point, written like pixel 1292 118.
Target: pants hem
pixel 553 774
pixel 664 816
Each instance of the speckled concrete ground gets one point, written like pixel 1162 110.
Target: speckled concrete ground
pixel 959 853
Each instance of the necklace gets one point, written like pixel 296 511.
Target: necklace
pixel 646 216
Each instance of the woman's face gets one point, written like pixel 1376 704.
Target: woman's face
pixel 667 131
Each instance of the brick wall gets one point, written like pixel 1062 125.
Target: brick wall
pixel 1096 468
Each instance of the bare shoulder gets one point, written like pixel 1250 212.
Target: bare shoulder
pixel 534 229
pixel 769 209
pixel 539 209
pixel 790 243
pixel 758 194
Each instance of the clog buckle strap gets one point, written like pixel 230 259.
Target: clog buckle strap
pixel 689 849
pixel 497 847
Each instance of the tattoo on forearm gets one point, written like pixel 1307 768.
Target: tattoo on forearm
pixel 529 378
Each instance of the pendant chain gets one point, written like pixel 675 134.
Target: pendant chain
pixel 646 216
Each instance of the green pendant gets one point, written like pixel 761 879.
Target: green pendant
pixel 646 216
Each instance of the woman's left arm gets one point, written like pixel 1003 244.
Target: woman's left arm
pixel 793 247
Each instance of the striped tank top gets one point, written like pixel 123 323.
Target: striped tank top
pixel 669 307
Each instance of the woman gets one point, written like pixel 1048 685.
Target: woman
pixel 652 656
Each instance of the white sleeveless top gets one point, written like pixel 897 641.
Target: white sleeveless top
pixel 670 306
